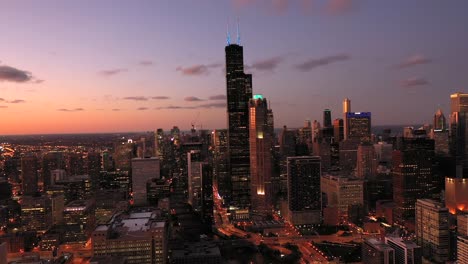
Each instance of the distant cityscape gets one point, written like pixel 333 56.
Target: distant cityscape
pixel 335 190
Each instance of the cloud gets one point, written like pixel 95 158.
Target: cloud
pixel 38 81
pixel 202 106
pixel 160 97
pixel 217 97
pixel 212 105
pixel 199 69
pixel 413 82
pixel 112 72
pixel 314 63
pixel 175 107
pixel 10 74
pixel 3 106
pixel 338 7
pixel 242 3
pixel 414 60
pixel 142 108
pixel 269 64
pixel 146 63
pixel 16 101
pixel 116 109
pixel 280 7
pixel 192 99
pixel 70 110
pixel 136 98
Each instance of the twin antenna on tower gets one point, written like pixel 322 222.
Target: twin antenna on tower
pixel 229 34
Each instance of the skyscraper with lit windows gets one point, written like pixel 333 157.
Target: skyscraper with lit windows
pixel 459 132
pixel 239 92
pixel 261 143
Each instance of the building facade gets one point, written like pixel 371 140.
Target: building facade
pixel 432 230
pixel 239 92
pixel 139 236
pixel 261 164
pixel 304 194
pixel 143 169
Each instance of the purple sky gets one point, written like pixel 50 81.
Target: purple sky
pixel 109 65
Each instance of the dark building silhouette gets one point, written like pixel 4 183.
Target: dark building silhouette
pixel 338 130
pixel 29 175
pixel 304 193
pixel 51 161
pixel 239 92
pixel 327 121
pixel 459 132
pixel 207 194
pixel 412 175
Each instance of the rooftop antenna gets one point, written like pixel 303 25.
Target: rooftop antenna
pixel 238 33
pixel 228 35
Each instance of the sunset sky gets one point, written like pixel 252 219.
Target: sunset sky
pixel 107 66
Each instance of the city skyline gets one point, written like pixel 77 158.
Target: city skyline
pixel 86 67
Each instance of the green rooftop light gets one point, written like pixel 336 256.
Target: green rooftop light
pixel 257 96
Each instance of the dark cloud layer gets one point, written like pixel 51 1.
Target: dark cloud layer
pixel 192 99
pixel 199 69
pixel 112 72
pixel 280 7
pixel 146 63
pixel 70 110
pixel 160 97
pixel 314 63
pixel 145 98
pixel 11 74
pixel 142 108
pixel 337 7
pixel 413 61
pixel 202 106
pixel 217 97
pixel 413 82
pixel 136 98
pixel 269 64
pixel 17 101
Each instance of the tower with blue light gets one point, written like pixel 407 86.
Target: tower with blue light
pixel 239 92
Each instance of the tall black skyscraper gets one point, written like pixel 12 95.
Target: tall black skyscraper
pixel 239 92
pixel 327 121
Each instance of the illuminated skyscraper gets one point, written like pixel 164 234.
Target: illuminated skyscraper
pixel 261 143
pixel 366 167
pixel 459 132
pixel 346 110
pixel 412 176
pixel 358 126
pixel 439 121
pixel 220 167
pixel 432 230
pixel 338 130
pixel 239 92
